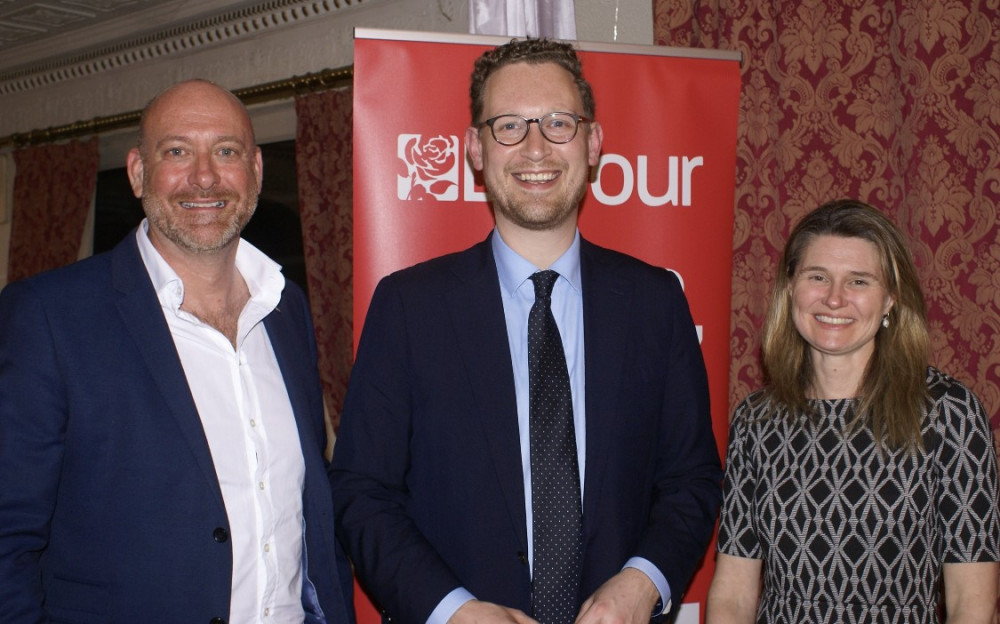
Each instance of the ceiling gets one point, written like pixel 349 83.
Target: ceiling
pixel 42 34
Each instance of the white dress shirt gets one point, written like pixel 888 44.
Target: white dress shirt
pixel 251 432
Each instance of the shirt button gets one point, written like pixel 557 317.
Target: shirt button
pixel 260 485
pixel 221 535
pixel 253 423
pixel 267 611
pixel 267 548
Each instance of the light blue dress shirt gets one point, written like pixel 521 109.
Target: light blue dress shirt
pixel 518 294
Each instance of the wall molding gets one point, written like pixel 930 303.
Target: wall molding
pixel 279 89
pixel 225 28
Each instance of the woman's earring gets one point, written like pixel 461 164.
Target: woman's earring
pixel 885 321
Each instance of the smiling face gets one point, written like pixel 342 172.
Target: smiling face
pixel 838 299
pixel 534 185
pixel 198 170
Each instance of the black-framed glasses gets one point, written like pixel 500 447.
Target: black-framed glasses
pixel 555 127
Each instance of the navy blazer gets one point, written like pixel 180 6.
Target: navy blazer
pixel 428 484
pixel 110 509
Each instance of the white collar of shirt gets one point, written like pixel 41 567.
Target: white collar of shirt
pixel 262 275
pixel 514 270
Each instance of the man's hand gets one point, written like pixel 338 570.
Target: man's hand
pixel 626 598
pixel 479 612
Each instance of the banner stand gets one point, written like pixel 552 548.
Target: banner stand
pixel 663 191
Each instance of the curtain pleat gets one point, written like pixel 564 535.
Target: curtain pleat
pixel 519 18
pixel 53 191
pixel 323 159
pixel 6 208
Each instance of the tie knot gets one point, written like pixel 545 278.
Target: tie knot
pixel 544 281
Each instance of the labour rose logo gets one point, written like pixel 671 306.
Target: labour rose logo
pixel 431 167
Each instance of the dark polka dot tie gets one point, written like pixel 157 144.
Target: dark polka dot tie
pixel 555 475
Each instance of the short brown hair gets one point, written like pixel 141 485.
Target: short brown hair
pixel 534 52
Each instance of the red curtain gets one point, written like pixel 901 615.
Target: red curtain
pixel 896 103
pixel 53 191
pixel 323 160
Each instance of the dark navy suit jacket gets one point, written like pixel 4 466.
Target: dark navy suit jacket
pixel 110 509
pixel 427 478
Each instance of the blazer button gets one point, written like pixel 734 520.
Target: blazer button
pixel 221 536
pixel 217 620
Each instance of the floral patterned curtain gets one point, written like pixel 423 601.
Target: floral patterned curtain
pixel 896 103
pixel 323 160
pixel 53 192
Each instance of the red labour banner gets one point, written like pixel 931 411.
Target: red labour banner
pixel 663 191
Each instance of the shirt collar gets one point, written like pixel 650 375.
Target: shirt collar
pixel 262 275
pixel 514 270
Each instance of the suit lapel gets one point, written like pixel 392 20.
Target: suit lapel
pixel 476 309
pixel 290 356
pixel 142 316
pixel 606 296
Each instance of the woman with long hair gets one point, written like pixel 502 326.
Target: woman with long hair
pixel 859 477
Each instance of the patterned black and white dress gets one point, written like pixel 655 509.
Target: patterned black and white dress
pixel 849 533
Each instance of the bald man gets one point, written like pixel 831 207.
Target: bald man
pixel 161 418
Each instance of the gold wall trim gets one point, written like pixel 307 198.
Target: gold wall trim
pixel 277 90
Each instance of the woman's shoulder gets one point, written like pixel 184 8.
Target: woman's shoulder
pixel 754 407
pixel 953 404
pixel 941 385
pixel 753 400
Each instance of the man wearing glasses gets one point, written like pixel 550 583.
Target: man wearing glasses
pixel 526 435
